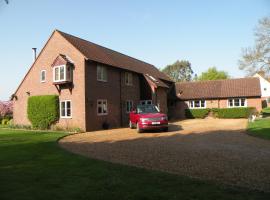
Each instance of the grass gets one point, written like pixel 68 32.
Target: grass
pixel 33 166
pixel 266 110
pixel 260 128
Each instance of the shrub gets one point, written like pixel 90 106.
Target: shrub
pixel 233 112
pixel 5 121
pixel 196 113
pixel 43 111
pixel 10 122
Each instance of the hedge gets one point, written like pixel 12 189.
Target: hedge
pixel 233 112
pixel 196 113
pixel 43 111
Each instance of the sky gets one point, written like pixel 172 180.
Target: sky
pixel 206 33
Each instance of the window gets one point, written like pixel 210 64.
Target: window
pixel 101 73
pixel 43 76
pixel 65 109
pixel 237 102
pixel 129 106
pixel 62 73
pixel 146 102
pixel 102 108
pixel 197 104
pixel 128 78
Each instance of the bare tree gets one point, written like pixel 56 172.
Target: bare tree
pixel 6 1
pixel 257 58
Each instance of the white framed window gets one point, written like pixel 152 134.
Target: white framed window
pixel 129 106
pixel 101 73
pixel 146 102
pixel 62 73
pixel 128 78
pixel 65 109
pixel 197 104
pixel 43 76
pixel 102 107
pixel 237 102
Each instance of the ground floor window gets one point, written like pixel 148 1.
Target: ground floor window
pixel 146 102
pixel 65 109
pixel 197 104
pixel 129 106
pixel 237 102
pixel 102 107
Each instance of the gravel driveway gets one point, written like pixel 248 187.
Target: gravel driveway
pixel 211 149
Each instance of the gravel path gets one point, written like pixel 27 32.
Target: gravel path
pixel 211 149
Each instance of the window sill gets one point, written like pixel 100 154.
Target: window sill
pixel 104 81
pixel 102 114
pixel 65 117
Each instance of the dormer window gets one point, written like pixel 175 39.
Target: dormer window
pixel 62 73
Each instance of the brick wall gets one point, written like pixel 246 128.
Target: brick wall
pixel 55 46
pixel 115 91
pixel 161 95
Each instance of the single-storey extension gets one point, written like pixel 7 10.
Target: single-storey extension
pixel 230 93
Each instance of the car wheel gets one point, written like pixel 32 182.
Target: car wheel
pixel 138 128
pixel 131 125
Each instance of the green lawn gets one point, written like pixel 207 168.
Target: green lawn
pixel 260 128
pixel 32 166
pixel 266 110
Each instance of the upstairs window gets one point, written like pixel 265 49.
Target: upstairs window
pixel 101 73
pixel 128 78
pixel 43 76
pixel 62 73
pixel 197 104
pixel 65 109
pixel 237 102
pixel 102 107
pixel 129 106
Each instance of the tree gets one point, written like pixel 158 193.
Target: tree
pixel 257 58
pixel 179 71
pixel 213 74
pixel 6 108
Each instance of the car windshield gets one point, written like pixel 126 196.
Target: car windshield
pixel 147 109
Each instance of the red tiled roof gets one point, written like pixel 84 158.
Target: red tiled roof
pixel 241 87
pixel 110 57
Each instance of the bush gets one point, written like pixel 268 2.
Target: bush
pixel 233 112
pixel 196 113
pixel 4 121
pixel 43 111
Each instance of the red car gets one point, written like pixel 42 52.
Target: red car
pixel 148 117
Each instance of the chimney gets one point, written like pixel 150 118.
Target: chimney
pixel 34 53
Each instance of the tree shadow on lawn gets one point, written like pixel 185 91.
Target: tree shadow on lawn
pixel 229 157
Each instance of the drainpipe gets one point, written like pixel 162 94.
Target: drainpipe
pixel 121 107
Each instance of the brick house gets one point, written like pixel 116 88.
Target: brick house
pixel 242 92
pixel 96 85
